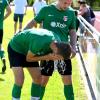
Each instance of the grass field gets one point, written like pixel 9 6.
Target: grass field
pixel 54 90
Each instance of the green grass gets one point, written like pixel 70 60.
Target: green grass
pixel 54 90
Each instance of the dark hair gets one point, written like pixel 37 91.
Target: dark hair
pixel 81 1
pixel 64 49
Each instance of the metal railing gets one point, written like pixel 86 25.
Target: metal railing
pixel 90 29
pixel 89 49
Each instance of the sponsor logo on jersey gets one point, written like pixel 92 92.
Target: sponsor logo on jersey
pixel 65 18
pixel 50 15
pixel 58 24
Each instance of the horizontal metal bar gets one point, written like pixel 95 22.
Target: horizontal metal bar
pixel 90 28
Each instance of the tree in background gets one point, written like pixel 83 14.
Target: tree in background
pixel 93 2
pixel 90 2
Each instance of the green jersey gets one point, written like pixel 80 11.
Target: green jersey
pixel 3 4
pixel 36 40
pixel 60 22
pixel 76 13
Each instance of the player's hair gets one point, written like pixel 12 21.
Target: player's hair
pixel 64 49
pixel 81 1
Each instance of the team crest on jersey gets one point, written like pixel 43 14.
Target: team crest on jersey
pixel 65 18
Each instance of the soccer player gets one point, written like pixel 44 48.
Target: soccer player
pixel 4 5
pixel 38 4
pixel 28 47
pixel 60 19
pixel 19 12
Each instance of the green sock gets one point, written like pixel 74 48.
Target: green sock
pixel 2 53
pixel 42 92
pixel 35 90
pixel 68 92
pixel 16 92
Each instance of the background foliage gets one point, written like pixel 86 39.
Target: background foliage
pixel 92 3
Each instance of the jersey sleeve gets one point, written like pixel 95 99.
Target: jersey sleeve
pixel 41 15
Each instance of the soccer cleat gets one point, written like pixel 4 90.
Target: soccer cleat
pixel 3 69
pixel 4 66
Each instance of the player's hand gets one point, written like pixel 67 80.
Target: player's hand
pixel 73 53
pixel 53 57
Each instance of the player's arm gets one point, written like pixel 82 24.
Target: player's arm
pixel 73 37
pixel 38 19
pixel 8 12
pixel 30 24
pixel 32 57
pixel 25 9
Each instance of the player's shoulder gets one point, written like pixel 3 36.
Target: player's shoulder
pixel 47 7
pixel 71 9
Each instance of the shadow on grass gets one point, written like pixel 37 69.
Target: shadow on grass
pixel 2 72
pixel 1 79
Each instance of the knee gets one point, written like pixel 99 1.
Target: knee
pixel 19 81
pixel 67 79
pixel 37 79
pixel 44 80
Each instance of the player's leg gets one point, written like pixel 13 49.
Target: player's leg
pixel 47 68
pixel 15 22
pixel 19 80
pixel 3 61
pixel 36 81
pixel 2 52
pixel 65 69
pixel 16 61
pixel 21 16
